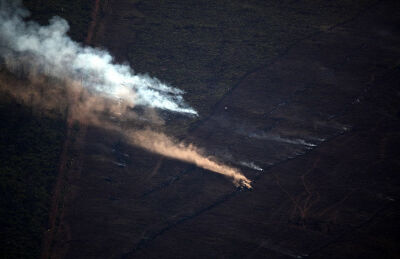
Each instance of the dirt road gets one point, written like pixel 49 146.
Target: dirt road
pixel 321 120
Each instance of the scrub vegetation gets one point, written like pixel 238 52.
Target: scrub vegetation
pixel 30 145
pixel 202 47
pixel 205 47
pixel 31 141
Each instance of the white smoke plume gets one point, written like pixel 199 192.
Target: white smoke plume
pixel 278 138
pixel 55 54
pixel 251 165
pixel 95 84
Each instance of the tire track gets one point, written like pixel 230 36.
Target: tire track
pixel 48 236
pixel 66 165
pixel 255 70
pixel 275 59
pixel 347 232
pixel 143 243
pixel 168 183
pixel 93 23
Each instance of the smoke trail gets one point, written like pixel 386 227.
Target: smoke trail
pixel 251 165
pixel 106 86
pixel 56 55
pixel 280 139
pixel 161 144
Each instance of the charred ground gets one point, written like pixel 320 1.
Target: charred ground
pixel 266 77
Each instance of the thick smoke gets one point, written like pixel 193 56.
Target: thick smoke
pixel 166 146
pixel 272 137
pixel 95 86
pixel 55 54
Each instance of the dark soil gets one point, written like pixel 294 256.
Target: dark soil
pixel 307 91
pixel 334 195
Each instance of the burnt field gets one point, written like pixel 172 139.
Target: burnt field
pixel 302 97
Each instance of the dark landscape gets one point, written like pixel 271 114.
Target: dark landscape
pixel 302 97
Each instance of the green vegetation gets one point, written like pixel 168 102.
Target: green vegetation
pixel 30 147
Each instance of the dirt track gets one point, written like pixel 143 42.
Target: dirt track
pixel 333 198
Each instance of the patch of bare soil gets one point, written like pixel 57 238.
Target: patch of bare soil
pixel 322 121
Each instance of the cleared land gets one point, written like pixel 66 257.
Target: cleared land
pixel 307 91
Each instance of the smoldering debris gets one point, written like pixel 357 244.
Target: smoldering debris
pixel 97 91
